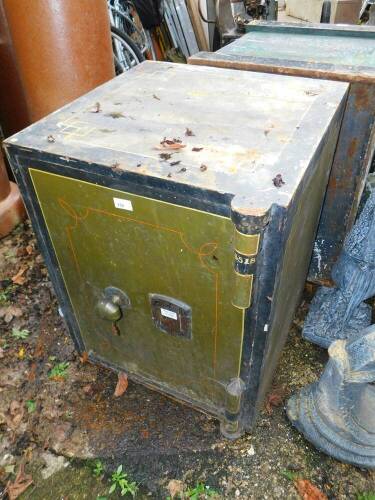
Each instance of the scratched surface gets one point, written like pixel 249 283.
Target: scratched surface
pixel 341 48
pixel 248 127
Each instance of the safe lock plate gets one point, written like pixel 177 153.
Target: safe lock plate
pixel 171 316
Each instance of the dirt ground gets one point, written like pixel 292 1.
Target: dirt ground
pixel 54 425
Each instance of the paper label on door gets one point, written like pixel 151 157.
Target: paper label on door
pixel 168 314
pixel 123 204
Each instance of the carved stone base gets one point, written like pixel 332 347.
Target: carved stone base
pixel 336 414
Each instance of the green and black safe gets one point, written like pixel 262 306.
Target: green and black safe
pixel 333 52
pixel 176 207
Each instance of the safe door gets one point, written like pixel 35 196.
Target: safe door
pixel 150 284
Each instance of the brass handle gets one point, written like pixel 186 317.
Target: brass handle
pixel 108 310
pixel 112 304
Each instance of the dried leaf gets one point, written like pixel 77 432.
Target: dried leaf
pixel 278 181
pixel 203 168
pixel 10 312
pixel 165 156
pixel 19 279
pixel 1 353
pixel 122 384
pixel 15 414
pixel 175 488
pixel 274 399
pixel 170 144
pixel 84 358
pixel 50 138
pixel 87 389
pixel 20 484
pixel 29 249
pixel 196 150
pixel 21 353
pixel 32 373
pixel 156 97
pixel 308 491
pixel 189 132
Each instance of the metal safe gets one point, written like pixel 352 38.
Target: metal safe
pixel 176 207
pixel 332 52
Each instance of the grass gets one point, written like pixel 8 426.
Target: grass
pixel 119 480
pixel 370 495
pixel 20 334
pixel 59 370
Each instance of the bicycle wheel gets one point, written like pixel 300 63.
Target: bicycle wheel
pixel 126 53
pixel 128 22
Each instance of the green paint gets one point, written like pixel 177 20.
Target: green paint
pixel 342 50
pixel 158 248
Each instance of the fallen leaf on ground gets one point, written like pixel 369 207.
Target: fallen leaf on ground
pixel 308 491
pixel 175 488
pixel 21 353
pixel 87 389
pixel 122 384
pixel 20 484
pixel 1 353
pixel 15 414
pixel 274 399
pixel 32 373
pixel 84 358
pixel 10 312
pixel 189 132
pixel 18 278
pixel 29 249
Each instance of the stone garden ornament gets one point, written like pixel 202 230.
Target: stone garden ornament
pixel 336 413
pixel 340 312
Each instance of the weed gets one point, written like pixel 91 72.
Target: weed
pixel 20 334
pixel 292 476
pixel 120 479
pixel 30 405
pixel 97 468
pixel 59 370
pixel 5 295
pixel 200 491
pixel 369 495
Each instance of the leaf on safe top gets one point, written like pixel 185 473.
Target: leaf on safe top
pixel 308 491
pixel 122 384
pixel 170 144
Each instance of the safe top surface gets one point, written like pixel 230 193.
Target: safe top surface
pixel 337 52
pixel 245 128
